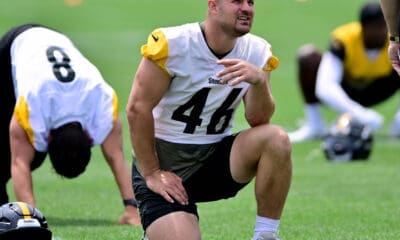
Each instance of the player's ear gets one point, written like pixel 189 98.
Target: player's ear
pixel 212 5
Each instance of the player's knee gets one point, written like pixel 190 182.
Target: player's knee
pixel 283 141
pixel 309 55
pixel 280 147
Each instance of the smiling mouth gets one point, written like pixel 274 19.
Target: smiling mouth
pixel 244 18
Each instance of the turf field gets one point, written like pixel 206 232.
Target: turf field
pixel 358 200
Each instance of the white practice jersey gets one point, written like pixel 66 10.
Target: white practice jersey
pixel 197 108
pixel 55 84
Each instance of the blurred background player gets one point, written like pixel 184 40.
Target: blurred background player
pixel 391 11
pixel 54 100
pixel 353 75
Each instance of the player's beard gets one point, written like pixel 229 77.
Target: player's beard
pixel 240 31
pixel 236 29
pixel 243 24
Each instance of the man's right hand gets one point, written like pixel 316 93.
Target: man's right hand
pixel 167 184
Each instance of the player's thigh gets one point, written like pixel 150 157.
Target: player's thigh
pixel 175 226
pixel 377 92
pixel 249 146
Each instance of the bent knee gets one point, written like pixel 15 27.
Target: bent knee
pixel 278 143
pixel 309 54
pixel 282 139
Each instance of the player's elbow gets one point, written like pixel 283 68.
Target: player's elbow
pixel 259 118
pixel 137 111
pixel 254 122
pixel 132 110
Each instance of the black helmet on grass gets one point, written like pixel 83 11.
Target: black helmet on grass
pixel 348 140
pixel 19 220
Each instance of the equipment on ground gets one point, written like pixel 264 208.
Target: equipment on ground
pixel 348 140
pixel 19 220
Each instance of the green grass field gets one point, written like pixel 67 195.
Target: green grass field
pixel 357 200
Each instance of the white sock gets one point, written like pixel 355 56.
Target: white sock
pixel 313 115
pixel 264 224
pixel 397 115
pixel 394 129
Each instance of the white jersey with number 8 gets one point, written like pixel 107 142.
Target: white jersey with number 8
pixel 55 84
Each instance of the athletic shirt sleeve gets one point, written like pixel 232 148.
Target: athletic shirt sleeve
pixel 22 114
pixel 259 52
pixel 105 116
pixel 272 64
pixel 272 61
pixel 156 49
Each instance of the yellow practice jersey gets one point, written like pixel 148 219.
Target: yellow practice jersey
pixel 358 68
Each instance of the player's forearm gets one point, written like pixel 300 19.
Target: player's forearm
pixel 259 102
pixel 141 125
pixel 22 153
pixel 390 10
pixel 123 178
pixel 120 170
pixel 113 153
pixel 22 183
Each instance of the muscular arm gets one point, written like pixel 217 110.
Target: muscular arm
pixel 149 85
pixel 259 102
pixel 113 153
pixel 390 10
pixel 22 153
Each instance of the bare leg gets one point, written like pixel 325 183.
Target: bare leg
pixel 308 60
pixel 264 152
pixel 175 226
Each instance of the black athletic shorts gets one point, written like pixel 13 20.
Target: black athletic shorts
pixel 374 93
pixel 213 181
